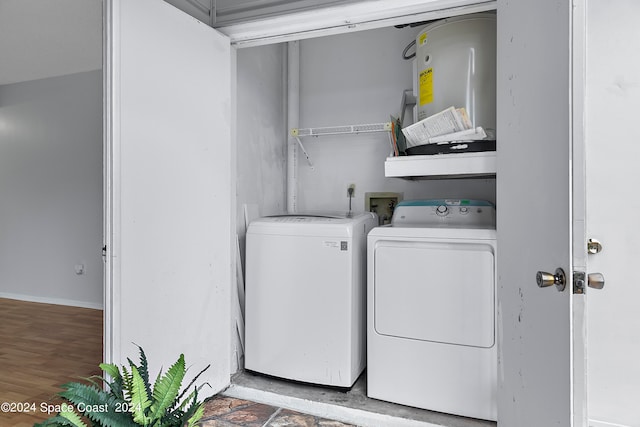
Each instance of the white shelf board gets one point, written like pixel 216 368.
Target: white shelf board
pixel 458 165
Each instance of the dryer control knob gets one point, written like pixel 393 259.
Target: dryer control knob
pixel 442 210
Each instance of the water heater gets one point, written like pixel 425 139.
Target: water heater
pixel 456 66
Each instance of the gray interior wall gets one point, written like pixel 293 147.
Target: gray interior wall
pixel 346 79
pixel 51 189
pixel 261 140
pixel 359 78
pixel 261 163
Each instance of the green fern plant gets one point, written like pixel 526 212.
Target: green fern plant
pixel 129 400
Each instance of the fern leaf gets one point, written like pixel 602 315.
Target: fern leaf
pixel 190 400
pixel 68 413
pixel 143 369
pixel 116 383
pixel 127 383
pixel 179 416
pixel 112 370
pixel 192 382
pixel 166 388
pixel 96 380
pixel 170 420
pixel 197 415
pixel 116 390
pixel 126 376
pixel 139 398
pixel 77 393
pixel 184 413
pixel 98 405
pixel 115 416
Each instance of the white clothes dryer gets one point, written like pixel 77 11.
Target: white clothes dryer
pixel 431 326
pixel 306 297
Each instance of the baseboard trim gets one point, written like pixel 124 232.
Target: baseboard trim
pixel 596 423
pixel 49 300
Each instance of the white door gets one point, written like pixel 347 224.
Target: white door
pixel 612 153
pixel 168 189
pixel 534 205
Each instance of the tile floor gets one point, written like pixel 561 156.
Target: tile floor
pixel 221 411
pixel 252 386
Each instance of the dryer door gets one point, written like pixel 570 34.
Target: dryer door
pixel 440 291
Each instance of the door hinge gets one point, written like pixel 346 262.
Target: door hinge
pixel 104 253
pixel 579 282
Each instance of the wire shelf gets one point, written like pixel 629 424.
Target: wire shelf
pixel 342 130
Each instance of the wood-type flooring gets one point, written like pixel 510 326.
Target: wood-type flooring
pixel 41 347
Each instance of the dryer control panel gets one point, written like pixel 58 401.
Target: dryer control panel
pixel 445 213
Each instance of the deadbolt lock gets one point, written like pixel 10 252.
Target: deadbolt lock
pixel 594 246
pixel 545 279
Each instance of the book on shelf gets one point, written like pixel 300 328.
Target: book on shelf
pixel 449 125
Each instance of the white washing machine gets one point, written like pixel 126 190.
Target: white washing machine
pixel 431 324
pixel 306 297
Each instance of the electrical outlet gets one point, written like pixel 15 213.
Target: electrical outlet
pixel 351 190
pixel 382 204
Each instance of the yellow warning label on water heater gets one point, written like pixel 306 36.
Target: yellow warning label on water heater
pixel 422 39
pixel 426 86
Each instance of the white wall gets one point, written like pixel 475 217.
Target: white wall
pixel 51 189
pixel 356 79
pixel 346 79
pixel 261 156
pixel 613 149
pixel 261 138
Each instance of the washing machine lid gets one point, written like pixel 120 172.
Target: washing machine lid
pixel 312 224
pixel 316 214
pixel 448 213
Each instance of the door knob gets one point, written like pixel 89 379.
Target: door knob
pixel 595 280
pixel 545 279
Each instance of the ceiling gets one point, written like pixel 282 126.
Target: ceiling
pixel 229 11
pixel 46 38
pixel 224 12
